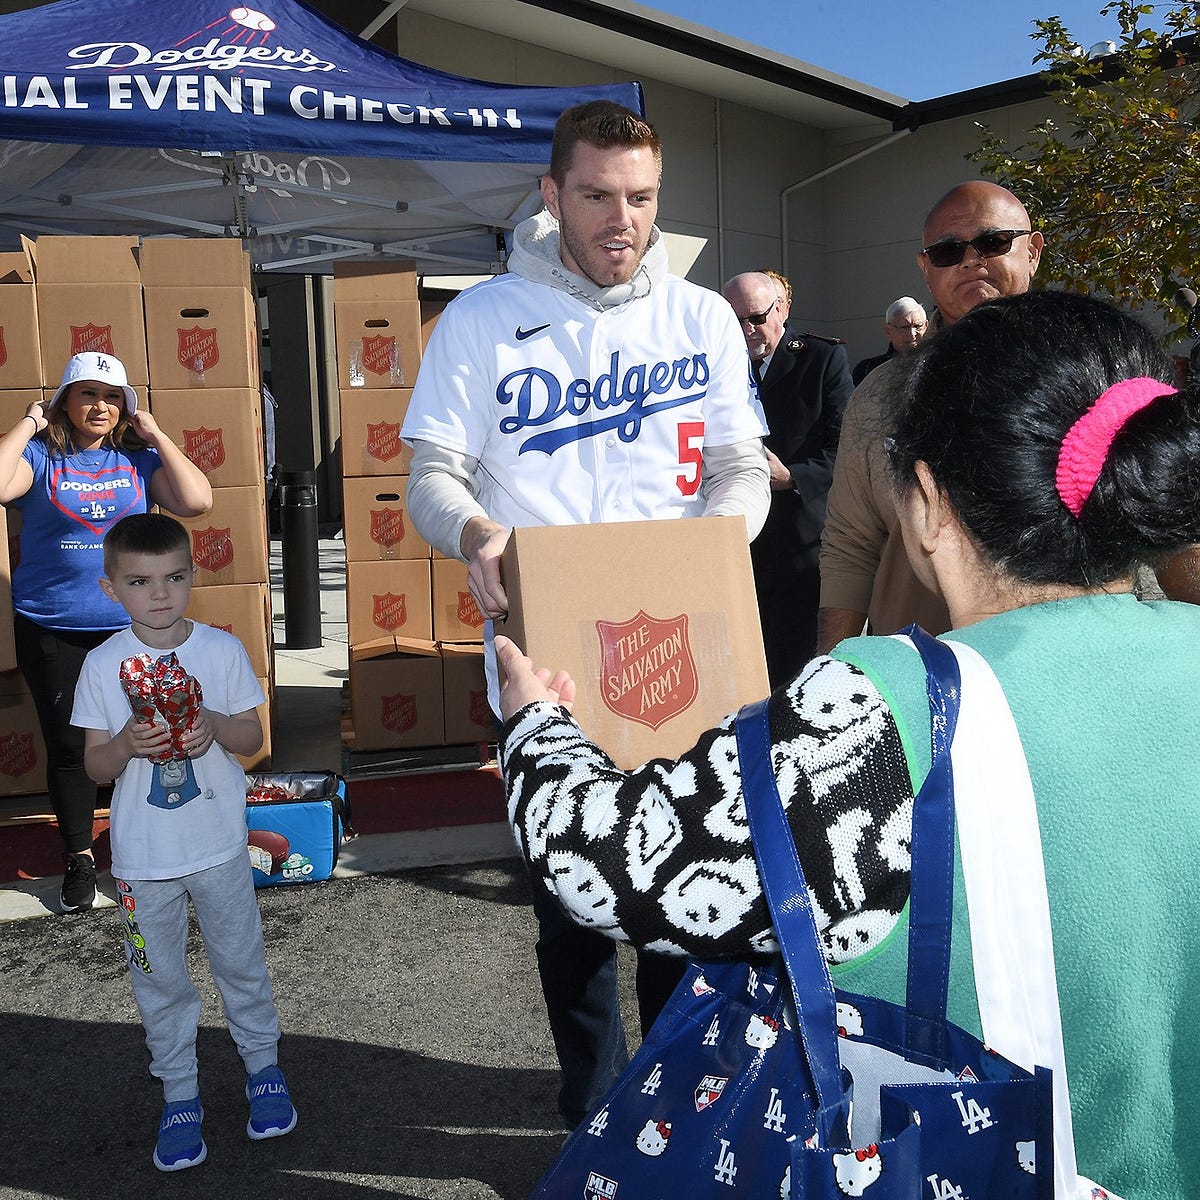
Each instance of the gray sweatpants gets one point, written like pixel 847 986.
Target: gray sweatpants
pixel 154 919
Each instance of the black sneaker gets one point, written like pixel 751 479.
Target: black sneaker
pixel 79 883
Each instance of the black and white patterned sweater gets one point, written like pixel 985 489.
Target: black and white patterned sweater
pixel 661 856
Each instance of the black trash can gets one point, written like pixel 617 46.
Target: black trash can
pixel 301 559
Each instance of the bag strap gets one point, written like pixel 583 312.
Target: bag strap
pixel 931 895
pixel 789 903
pixel 932 889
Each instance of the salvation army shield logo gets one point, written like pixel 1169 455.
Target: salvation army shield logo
pixel 387 527
pixel 398 713
pixel 389 612
pixel 709 1089
pixel 212 548
pixel 379 355
pixel 205 447
pixel 648 674
pixel 468 611
pixel 383 441
pixel 18 754
pixel 198 349
pixel 479 711
pixel 91 337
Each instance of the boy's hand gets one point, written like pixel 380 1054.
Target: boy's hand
pixel 201 735
pixel 146 739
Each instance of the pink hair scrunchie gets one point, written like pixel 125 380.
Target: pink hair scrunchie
pixel 1086 446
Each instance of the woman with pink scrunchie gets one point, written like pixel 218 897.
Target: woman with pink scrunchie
pixel 1038 459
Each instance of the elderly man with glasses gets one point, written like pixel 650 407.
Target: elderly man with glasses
pixel 978 244
pixel 904 325
pixel 804 383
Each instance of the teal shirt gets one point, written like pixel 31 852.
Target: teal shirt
pixel 1105 692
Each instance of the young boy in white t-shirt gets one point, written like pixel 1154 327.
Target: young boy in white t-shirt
pixel 178 829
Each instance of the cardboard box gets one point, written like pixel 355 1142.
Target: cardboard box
pixel 219 430
pixel 229 542
pixel 375 520
pixel 371 420
pixel 22 750
pixel 662 648
pixel 378 343
pixel 468 715
pixel 89 297
pixel 243 609
pixel 73 318
pixel 378 280
pixel 456 616
pixel 20 353
pixel 101 261
pixel 186 262
pixel 396 694
pixel 431 310
pixel 13 405
pixel 388 599
pixel 202 337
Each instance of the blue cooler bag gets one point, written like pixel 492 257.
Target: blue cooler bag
pixel 295 826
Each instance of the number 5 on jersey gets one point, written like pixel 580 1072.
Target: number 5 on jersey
pixel 691 457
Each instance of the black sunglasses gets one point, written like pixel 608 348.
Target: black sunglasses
pixel 757 319
pixel 993 244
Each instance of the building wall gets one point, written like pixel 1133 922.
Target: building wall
pixel 874 210
pixel 853 235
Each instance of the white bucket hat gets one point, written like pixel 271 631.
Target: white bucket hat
pixel 101 368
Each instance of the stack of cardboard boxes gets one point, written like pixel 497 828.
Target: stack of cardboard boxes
pixel 180 315
pixel 416 652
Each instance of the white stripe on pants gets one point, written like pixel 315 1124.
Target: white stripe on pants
pixel 154 919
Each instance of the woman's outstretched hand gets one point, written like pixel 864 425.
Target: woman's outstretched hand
pixel 521 684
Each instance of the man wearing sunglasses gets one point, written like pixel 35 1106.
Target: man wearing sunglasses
pixel 804 383
pixel 977 244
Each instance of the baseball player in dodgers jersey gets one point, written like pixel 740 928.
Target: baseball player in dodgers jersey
pixel 585 385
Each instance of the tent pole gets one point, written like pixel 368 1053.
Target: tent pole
pixel 380 21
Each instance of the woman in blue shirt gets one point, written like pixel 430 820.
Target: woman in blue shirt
pixel 74 467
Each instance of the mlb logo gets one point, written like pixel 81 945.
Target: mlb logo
pixel 709 1090
pixel 599 1187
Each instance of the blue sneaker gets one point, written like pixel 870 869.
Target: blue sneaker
pixel 180 1143
pixel 271 1111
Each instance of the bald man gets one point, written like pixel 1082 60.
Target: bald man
pixel 978 244
pixel 804 383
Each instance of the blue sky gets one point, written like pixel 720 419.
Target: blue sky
pixel 915 48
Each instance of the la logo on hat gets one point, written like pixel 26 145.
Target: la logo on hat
pixel 96 368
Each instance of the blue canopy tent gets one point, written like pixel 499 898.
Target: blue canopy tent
pixel 271 124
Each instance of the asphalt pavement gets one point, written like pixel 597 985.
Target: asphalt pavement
pixel 415 1039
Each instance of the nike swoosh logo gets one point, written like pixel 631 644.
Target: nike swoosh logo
pixel 522 334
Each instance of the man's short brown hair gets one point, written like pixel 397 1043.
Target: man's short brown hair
pixel 603 124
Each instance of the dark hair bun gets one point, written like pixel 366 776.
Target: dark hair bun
pixel 987 406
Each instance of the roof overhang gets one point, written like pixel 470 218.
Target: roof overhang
pixel 636 41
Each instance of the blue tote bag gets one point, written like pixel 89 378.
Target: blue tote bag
pixel 760 1080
